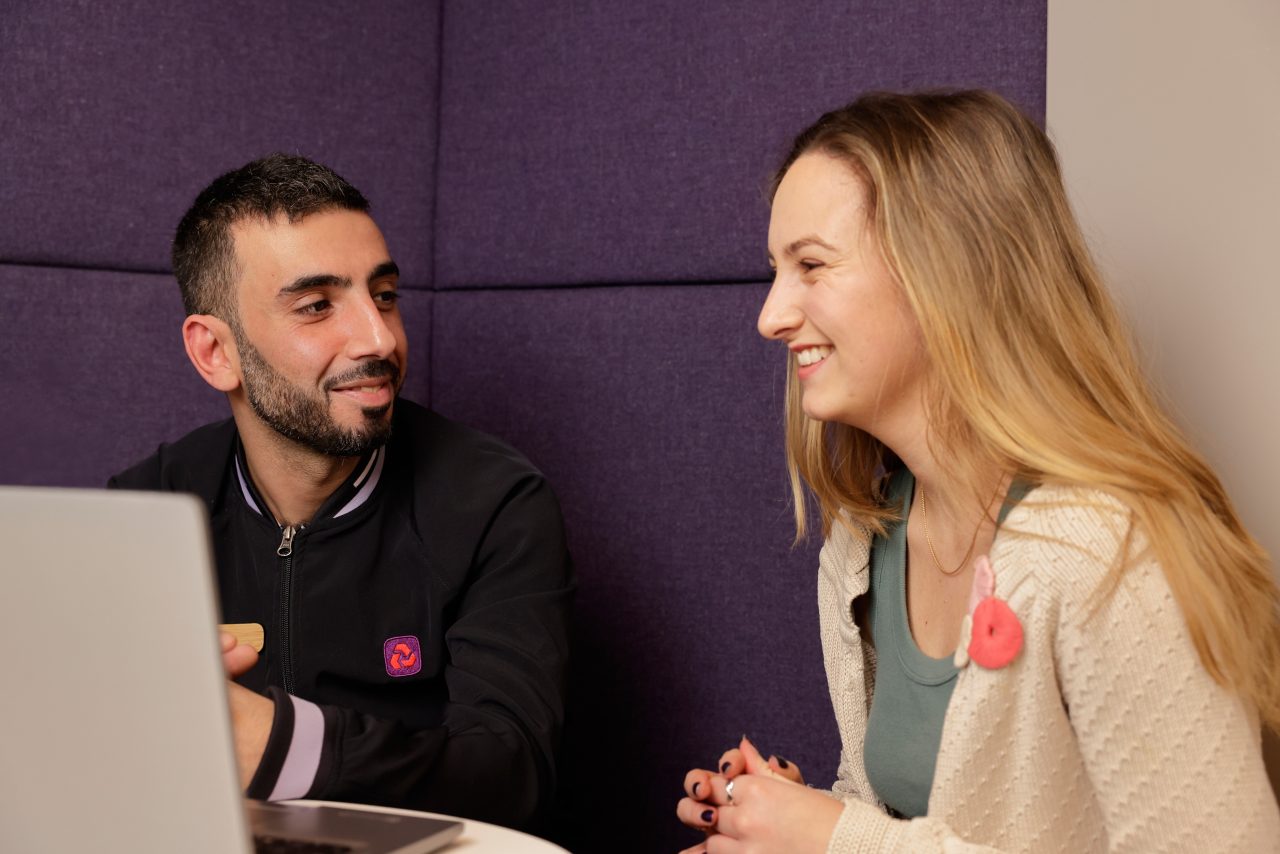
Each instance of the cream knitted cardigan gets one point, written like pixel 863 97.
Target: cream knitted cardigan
pixel 1104 734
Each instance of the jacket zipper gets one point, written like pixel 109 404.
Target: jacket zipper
pixel 285 552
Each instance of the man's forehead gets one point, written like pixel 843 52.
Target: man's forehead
pixel 257 229
pixel 254 233
pixel 331 241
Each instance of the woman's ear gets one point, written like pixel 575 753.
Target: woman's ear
pixel 211 348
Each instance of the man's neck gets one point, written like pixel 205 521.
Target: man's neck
pixel 294 481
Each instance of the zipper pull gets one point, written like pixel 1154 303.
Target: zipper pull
pixel 286 541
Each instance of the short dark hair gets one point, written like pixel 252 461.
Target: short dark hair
pixel 204 258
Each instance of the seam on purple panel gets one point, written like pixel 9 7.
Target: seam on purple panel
pixel 136 271
pixel 585 286
pixel 435 172
pixel 1042 109
pixel 94 268
pixel 435 200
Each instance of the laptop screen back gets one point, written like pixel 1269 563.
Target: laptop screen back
pixel 113 690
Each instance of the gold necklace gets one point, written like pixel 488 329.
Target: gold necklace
pixel 924 521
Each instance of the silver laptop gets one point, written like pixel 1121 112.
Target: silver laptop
pixel 114 730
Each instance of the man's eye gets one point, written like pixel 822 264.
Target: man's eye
pixel 317 307
pixel 387 297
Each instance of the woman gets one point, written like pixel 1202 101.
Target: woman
pixel 1045 628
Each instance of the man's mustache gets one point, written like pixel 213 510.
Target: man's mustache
pixel 378 369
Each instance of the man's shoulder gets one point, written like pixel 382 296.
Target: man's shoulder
pixel 194 463
pixel 439 445
pixel 459 479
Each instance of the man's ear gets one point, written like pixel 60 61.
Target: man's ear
pixel 211 348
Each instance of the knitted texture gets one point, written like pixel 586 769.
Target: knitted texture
pixel 1104 734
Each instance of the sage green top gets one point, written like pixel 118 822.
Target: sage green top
pixel 912 689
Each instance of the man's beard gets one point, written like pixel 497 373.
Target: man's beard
pixel 304 418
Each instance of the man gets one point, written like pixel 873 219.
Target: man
pixel 411 574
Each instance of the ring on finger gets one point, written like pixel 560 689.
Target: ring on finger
pixel 728 790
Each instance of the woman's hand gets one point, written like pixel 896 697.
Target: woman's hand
pixel 705 791
pixel 770 810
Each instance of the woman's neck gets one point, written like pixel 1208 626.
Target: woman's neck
pixel 951 502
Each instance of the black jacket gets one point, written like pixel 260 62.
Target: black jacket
pixel 425 617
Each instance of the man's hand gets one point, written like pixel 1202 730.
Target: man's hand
pixel 251 714
pixel 237 658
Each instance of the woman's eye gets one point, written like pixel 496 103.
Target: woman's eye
pixel 810 266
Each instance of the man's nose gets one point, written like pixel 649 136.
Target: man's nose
pixel 371 333
pixel 779 316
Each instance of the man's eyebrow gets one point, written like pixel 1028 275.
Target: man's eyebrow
pixel 386 268
pixel 319 280
pixel 329 280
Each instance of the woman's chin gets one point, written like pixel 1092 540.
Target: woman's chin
pixel 816 411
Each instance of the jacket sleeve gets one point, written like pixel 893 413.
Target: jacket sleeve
pixel 145 476
pixel 492 756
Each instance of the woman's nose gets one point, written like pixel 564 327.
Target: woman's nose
pixel 779 316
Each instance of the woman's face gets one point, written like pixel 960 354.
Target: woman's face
pixel 835 304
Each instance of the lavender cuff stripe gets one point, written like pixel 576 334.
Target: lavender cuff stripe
pixel 303 760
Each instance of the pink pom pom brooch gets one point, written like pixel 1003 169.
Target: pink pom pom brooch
pixel 991 634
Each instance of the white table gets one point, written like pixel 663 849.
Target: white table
pixel 477 836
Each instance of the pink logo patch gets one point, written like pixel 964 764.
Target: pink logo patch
pixel 402 655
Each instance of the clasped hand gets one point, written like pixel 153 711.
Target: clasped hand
pixel 251 713
pixel 771 809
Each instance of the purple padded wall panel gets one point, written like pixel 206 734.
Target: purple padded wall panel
pixel 95 374
pixel 656 414
pixel 112 378
pixel 632 142
pixel 112 118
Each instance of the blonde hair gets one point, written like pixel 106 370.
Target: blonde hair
pixel 1031 368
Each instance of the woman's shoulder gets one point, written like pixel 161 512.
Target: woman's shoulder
pixel 1069 511
pixel 1065 537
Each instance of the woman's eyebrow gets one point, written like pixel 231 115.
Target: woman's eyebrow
pixel 796 245
pixel 810 240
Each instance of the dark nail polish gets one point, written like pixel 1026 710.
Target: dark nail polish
pixel 782 763
pixel 707 815
pixel 724 766
pixel 696 787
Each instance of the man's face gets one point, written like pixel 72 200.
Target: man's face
pixel 321 342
